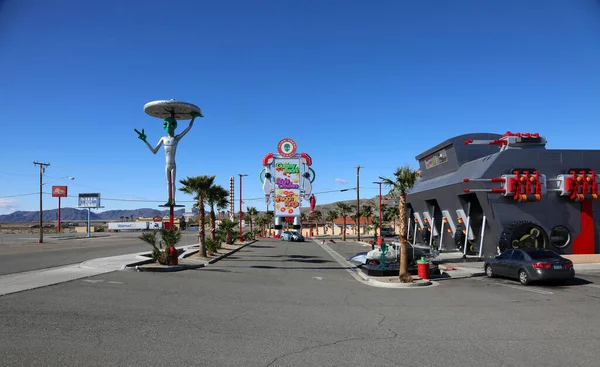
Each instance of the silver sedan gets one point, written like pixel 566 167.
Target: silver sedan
pixel 530 265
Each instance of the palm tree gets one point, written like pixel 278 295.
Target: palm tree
pixel 391 215
pixel 405 178
pixel 252 213
pixel 269 215
pixel 261 221
pixel 344 210
pixel 331 216
pixel 317 217
pixel 199 186
pixel 366 211
pixel 215 195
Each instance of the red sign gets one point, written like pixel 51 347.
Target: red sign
pixel 287 148
pixel 59 191
pixel 157 219
pixel 313 202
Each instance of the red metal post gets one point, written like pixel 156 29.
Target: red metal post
pixel 171 211
pixel 380 212
pixel 59 213
pixel 241 239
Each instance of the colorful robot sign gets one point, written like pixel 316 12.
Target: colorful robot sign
pixel 287 187
pixel 287 179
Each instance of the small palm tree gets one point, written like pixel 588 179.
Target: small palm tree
pixel 269 215
pixel 404 179
pixel 227 230
pixel 215 195
pixel 391 214
pixel 261 222
pixel 330 218
pixel 199 186
pixel 318 217
pixel 344 210
pixel 150 238
pixel 252 213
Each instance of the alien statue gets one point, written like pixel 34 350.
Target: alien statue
pixel 170 144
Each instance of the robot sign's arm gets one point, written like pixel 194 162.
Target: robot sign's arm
pixel 179 136
pixel 306 159
pixel 267 159
pixel 307 186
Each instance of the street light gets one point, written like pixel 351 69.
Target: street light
pixel 241 239
pixel 380 208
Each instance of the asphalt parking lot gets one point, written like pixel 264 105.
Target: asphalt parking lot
pixel 277 303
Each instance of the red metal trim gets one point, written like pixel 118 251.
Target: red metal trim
pixel 575 185
pixel 584 242
pixel 517 186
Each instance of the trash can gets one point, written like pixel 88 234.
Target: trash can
pixel 423 268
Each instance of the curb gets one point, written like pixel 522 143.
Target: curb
pixel 180 267
pixel 378 283
pixel 171 268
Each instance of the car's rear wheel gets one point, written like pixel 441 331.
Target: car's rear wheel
pixel 489 272
pixel 523 277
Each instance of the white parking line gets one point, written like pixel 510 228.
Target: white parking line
pixel 519 287
pixel 525 288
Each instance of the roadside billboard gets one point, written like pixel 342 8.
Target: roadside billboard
pixel 59 191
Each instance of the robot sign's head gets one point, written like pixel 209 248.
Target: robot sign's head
pixel 170 124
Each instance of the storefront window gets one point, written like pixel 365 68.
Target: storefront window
pixel 436 158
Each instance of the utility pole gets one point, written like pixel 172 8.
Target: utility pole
pixel 358 200
pixel 42 170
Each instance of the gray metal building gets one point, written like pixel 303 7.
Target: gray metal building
pixel 511 192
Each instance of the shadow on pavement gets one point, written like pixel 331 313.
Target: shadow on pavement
pixel 298 267
pixel 309 261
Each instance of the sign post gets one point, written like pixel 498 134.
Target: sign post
pixel 59 192
pixel 89 201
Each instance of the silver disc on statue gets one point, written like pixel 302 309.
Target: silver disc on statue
pixel 179 110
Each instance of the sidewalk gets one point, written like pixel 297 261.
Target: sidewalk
pixel 453 266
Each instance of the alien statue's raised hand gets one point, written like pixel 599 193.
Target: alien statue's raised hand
pixel 141 135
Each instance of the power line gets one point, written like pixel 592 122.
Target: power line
pixel 14 196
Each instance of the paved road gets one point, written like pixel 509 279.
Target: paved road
pixel 290 304
pixel 23 253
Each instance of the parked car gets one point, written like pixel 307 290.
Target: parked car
pixel 292 236
pixel 530 265
pixel 386 232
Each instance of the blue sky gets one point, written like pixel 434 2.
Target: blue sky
pixel 370 83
